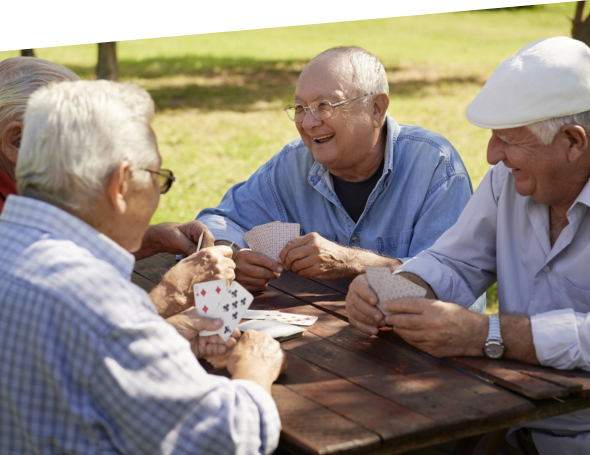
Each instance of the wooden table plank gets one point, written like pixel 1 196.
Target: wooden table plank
pixel 154 267
pixel 533 382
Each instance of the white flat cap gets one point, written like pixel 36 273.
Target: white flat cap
pixel 548 78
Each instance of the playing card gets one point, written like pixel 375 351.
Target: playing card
pixel 278 330
pixel 230 310
pixel 295 319
pixel 388 286
pixel 200 242
pixel 259 314
pixel 208 295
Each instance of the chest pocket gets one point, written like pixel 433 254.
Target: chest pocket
pixel 574 297
pixel 396 245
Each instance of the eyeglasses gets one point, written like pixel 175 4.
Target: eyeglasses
pixel 321 110
pixel 165 179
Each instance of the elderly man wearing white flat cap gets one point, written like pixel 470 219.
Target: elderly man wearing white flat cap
pixel 527 226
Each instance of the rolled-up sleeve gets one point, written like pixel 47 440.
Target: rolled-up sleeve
pixel 461 265
pixel 562 339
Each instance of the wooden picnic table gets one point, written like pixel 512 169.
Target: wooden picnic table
pixel 345 392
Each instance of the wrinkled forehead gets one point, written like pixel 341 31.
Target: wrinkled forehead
pixel 327 78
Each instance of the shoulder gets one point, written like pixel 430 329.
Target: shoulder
pixel 86 287
pixel 428 147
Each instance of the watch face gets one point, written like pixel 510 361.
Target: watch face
pixel 493 350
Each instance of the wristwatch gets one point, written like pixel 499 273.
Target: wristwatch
pixel 494 347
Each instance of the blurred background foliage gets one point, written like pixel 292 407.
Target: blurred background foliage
pixel 220 96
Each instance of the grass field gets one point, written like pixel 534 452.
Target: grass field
pixel 220 96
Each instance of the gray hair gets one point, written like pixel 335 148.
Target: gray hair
pixel 20 77
pixel 368 73
pixel 77 133
pixel 546 130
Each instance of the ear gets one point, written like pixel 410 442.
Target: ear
pixel 577 141
pixel 380 105
pixel 117 187
pixel 10 141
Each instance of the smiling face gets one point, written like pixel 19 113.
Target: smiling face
pixel 348 140
pixel 549 174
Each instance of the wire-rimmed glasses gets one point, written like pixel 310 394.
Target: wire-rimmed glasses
pixel 165 179
pixel 321 110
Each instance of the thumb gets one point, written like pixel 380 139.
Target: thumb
pixel 207 324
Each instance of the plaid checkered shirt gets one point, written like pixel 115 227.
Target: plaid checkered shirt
pixel 88 366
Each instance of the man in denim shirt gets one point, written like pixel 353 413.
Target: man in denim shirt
pixel 365 189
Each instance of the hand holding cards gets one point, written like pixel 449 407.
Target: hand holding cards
pixel 214 300
pixel 388 286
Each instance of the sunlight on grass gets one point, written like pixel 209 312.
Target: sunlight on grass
pixel 220 96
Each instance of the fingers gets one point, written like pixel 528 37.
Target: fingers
pixel 254 270
pixel 222 250
pixel 200 323
pixel 295 243
pixel 251 257
pixel 361 286
pixel 406 305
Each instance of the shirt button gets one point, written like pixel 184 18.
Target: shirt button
pixel 355 239
pixel 546 269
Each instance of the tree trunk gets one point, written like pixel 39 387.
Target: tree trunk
pixel 583 32
pixel 108 66
pixel 27 53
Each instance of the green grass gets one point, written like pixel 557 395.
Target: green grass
pixel 220 96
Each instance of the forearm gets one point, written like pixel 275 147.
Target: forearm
pixel 430 294
pixel 149 244
pixel 358 259
pixel 518 339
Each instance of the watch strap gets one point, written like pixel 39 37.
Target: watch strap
pixel 494 328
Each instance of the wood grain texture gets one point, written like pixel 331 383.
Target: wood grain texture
pixel 155 267
pixel 513 379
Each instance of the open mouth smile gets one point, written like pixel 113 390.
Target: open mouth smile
pixel 323 139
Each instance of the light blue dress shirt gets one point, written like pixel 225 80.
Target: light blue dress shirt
pixel 502 235
pixel 87 366
pixel 423 189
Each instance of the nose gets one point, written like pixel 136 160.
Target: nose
pixel 496 149
pixel 309 121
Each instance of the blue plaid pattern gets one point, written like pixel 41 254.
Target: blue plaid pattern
pixel 86 364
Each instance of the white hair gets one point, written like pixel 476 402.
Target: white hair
pixel 368 74
pixel 546 130
pixel 20 77
pixel 77 133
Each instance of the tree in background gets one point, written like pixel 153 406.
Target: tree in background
pixel 108 66
pixel 581 26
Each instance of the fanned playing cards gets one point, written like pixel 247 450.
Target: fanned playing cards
pixel 214 300
pixel 269 239
pixel 388 286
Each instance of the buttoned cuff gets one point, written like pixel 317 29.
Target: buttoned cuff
pixel 224 229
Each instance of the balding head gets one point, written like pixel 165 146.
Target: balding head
pixel 19 78
pixel 359 70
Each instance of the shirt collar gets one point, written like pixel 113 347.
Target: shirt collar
pixel 39 215
pixel 318 170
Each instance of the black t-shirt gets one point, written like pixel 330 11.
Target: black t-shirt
pixel 354 195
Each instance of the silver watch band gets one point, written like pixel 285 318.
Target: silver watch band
pixel 494 328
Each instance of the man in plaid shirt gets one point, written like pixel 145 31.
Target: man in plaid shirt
pixel 87 363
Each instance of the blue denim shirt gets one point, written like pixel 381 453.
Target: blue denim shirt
pixel 421 193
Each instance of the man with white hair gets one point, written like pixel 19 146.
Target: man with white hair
pixel 527 226
pixel 88 365
pixel 364 189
